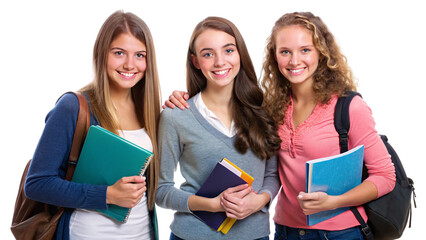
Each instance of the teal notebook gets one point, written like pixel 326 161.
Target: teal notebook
pixel 106 158
pixel 334 175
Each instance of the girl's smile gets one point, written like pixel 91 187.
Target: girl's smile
pixel 222 74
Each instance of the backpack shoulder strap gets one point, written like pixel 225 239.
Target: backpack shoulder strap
pixel 342 120
pixel 342 125
pixel 81 129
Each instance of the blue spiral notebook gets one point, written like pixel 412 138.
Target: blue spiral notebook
pixel 334 175
pixel 106 158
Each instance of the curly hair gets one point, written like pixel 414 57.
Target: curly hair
pixel 332 77
pixel 255 128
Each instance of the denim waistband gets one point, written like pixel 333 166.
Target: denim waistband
pixel 284 232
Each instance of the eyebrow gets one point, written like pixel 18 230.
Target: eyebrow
pixel 224 46
pixel 305 46
pixel 123 50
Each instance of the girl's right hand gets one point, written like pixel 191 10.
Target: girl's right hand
pixel 178 99
pixel 127 191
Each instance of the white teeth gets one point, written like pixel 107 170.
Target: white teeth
pixel 296 70
pixel 127 74
pixel 221 72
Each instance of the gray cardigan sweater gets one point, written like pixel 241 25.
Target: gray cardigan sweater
pixel 187 139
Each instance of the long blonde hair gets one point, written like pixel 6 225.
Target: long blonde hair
pixel 333 75
pixel 145 94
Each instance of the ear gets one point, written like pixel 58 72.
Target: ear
pixel 195 61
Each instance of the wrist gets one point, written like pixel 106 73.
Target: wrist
pixel 263 199
pixel 214 205
pixel 109 194
pixel 336 202
pixel 198 203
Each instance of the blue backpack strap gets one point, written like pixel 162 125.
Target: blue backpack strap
pixel 342 125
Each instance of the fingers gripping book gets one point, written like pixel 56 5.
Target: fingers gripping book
pixel 223 176
pixel 106 158
pixel 333 175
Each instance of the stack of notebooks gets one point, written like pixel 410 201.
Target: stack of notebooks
pixel 333 175
pixel 106 158
pixel 224 175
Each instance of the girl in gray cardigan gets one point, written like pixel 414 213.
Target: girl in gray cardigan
pixel 225 119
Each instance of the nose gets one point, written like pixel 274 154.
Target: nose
pixel 129 64
pixel 219 60
pixel 294 60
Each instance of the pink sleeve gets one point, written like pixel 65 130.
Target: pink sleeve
pixel 381 171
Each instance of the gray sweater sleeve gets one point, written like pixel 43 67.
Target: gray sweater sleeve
pixel 168 196
pixel 271 182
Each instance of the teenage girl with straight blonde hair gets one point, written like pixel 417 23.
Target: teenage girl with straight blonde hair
pixel 124 98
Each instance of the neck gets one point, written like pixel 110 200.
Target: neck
pixel 217 98
pixel 302 93
pixel 120 97
pixel 121 100
pixel 218 101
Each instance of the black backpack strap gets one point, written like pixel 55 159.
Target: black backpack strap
pixel 342 125
pixel 341 118
pixel 366 230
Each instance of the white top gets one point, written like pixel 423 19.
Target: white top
pixel 212 118
pixel 90 224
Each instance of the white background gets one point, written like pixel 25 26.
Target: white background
pixel 46 50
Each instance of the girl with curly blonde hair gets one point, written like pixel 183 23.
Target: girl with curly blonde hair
pixel 304 74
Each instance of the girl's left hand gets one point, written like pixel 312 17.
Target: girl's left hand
pixel 241 204
pixel 316 202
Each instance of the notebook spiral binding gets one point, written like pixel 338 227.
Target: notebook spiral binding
pixel 141 173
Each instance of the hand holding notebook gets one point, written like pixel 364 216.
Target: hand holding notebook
pixel 333 175
pixel 241 201
pixel 122 193
pixel 105 159
pixel 225 175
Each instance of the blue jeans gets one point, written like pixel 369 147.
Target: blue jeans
pixel 174 237
pixel 288 233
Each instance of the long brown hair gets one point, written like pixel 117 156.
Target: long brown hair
pixel 255 129
pixel 145 94
pixel 333 75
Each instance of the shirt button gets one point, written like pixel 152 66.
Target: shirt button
pixel 302 232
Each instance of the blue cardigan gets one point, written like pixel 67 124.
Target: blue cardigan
pixel 45 180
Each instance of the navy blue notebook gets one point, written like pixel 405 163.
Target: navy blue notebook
pixel 220 179
pixel 334 175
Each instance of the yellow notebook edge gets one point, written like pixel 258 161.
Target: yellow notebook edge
pixel 245 176
pixel 223 224
pixel 228 225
